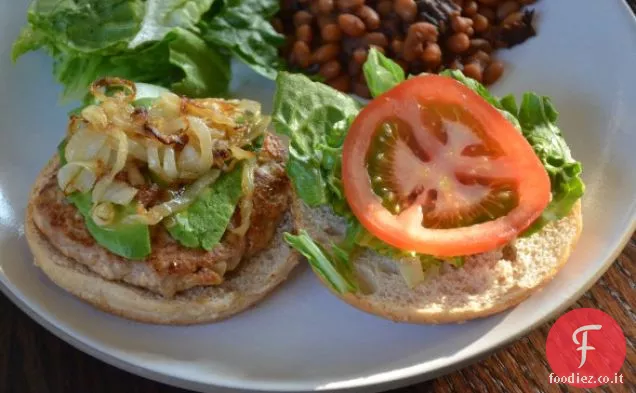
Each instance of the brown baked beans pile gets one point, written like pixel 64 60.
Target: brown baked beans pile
pixel 332 37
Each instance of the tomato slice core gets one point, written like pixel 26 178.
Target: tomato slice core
pixel 431 167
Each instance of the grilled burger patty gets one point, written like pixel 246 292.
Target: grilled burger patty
pixel 171 267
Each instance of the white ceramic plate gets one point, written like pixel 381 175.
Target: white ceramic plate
pixel 302 338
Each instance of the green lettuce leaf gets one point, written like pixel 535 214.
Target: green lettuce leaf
pixel 28 40
pixel 86 26
pixel 203 223
pixel 182 62
pixel 207 71
pixel 155 42
pixel 332 265
pixel 381 73
pixel 162 16
pixel 538 119
pixel 316 118
pixel 131 241
pixel 243 27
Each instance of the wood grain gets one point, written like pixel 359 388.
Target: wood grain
pixel 34 361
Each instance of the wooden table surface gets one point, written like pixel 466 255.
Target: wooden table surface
pixel 32 360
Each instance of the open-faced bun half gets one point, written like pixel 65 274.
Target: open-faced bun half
pixel 487 283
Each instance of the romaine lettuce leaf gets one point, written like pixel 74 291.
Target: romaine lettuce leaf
pixel 243 27
pixel 204 222
pixel 316 118
pixel 182 62
pixel 86 26
pixel 207 71
pixel 381 73
pixel 333 266
pixel 538 118
pixel 162 16
pixel 183 45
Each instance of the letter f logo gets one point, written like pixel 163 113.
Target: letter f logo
pixel 584 347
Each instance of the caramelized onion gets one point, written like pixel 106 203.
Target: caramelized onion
pixel 100 86
pixel 120 161
pixel 103 214
pixel 178 139
pixel 177 204
pixel 77 176
pixel 246 204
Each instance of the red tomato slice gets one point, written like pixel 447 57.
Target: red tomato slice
pixel 432 167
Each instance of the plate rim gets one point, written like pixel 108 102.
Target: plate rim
pixel 406 373
pixel 403 375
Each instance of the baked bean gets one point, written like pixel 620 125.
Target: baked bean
pixel 506 8
pixel 359 55
pixel 458 43
pixel 460 3
pixel 461 24
pixel 406 9
pixel 330 69
pixel 361 90
pixel 354 68
pixel 377 39
pixel 325 6
pixel 304 33
pixel 488 13
pixel 489 3
pixel 331 33
pixel 432 55
pixel 301 53
pixel 470 8
pixel 417 35
pixel 412 49
pixel 346 5
pixel 351 25
pixel 302 18
pixel 493 72
pixel 342 83
pixel 324 20
pixel 513 18
pixel 385 7
pixel 325 53
pixel 480 57
pixel 397 46
pixel 473 70
pixel 480 23
pixel 423 31
pixel 470 32
pixel 370 18
pixel 480 44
